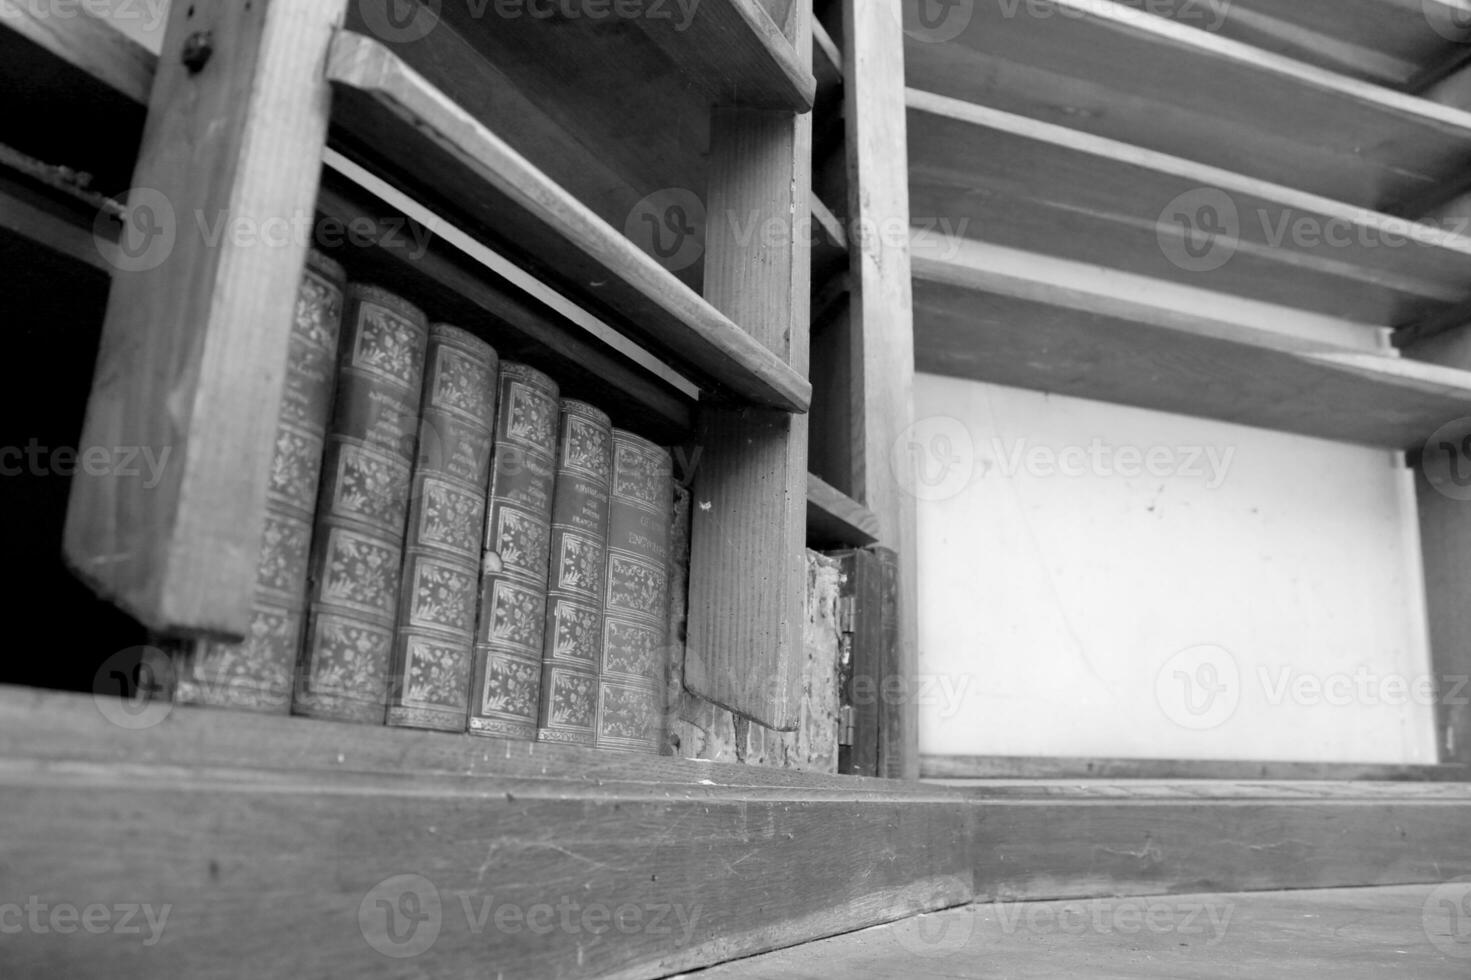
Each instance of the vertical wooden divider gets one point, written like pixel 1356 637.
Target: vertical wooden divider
pixel 1445 547
pixel 748 535
pixel 881 321
pixel 193 352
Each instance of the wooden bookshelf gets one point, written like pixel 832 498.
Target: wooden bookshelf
pixel 1100 69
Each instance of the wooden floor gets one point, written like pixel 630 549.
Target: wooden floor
pixel 1421 932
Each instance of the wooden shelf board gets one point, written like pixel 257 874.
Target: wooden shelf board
pixel 1025 184
pixel 1390 42
pixel 827 58
pixel 982 771
pixel 1031 321
pixel 268 835
pixel 1114 70
pixel 463 282
pixel 1348 934
pixel 80 69
pixel 732 50
pixel 382 102
pixel 836 520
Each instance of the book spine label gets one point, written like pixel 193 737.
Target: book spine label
pixel 509 637
pixel 573 643
pixel 429 684
pixel 362 510
pixel 636 596
pixel 256 674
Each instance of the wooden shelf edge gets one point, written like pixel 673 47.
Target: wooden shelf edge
pixel 967 770
pixel 90 44
pixel 827 57
pixel 1066 140
pixel 592 252
pixel 1398 142
pixel 993 315
pixel 835 520
pixel 304 823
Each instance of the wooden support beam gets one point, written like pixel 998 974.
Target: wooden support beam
pixel 194 349
pixel 748 566
pixel 881 316
pixel 1444 499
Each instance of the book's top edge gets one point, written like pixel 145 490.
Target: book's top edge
pixel 575 406
pixel 530 375
pixel 323 264
pixel 366 292
pixel 624 437
pixel 463 338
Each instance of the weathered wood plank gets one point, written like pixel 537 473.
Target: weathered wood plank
pixel 386 103
pixel 1358 934
pixel 194 351
pixel 1443 493
pixel 836 520
pixel 748 563
pixel 270 839
pixel 882 397
pixel 1097 68
pixel 1033 321
pixel 1043 187
pixel 959 770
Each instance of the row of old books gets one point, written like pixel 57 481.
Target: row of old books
pixel 449 544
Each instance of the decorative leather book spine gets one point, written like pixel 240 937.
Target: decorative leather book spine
pixel 506 687
pixel 429 684
pixel 636 597
pixel 256 674
pixel 362 511
pixel 579 557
